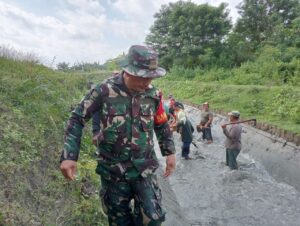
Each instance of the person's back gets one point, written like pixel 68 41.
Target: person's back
pixel 186 130
pixel 233 140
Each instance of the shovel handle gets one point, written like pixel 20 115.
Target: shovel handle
pixel 248 120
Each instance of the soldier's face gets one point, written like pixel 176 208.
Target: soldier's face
pixel 136 83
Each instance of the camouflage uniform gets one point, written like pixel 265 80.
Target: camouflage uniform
pixel 126 158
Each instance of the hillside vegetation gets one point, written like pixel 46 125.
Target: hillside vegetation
pixel 273 105
pixel 35 102
pixel 267 88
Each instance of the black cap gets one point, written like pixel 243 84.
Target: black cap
pixel 179 105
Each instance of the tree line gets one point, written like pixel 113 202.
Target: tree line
pixel 192 35
pixel 200 41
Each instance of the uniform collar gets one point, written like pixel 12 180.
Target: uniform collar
pixel 119 81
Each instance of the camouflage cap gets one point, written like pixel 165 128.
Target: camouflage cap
pixel 143 62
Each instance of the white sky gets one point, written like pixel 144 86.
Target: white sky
pixel 81 30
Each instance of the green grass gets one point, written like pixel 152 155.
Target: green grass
pixel 35 103
pixel 276 105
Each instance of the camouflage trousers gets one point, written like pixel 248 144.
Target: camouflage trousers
pixel 145 210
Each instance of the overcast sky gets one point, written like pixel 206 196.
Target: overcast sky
pixel 81 30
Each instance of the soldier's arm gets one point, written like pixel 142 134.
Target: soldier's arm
pixel 164 134
pixel 97 135
pixel 96 123
pixel 80 115
pixel 167 147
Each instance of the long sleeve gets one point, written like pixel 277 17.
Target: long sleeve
pixel 79 116
pixel 96 123
pixel 165 139
pixel 233 136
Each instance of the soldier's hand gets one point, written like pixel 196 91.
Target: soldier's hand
pixel 68 169
pixel 223 126
pixel 171 162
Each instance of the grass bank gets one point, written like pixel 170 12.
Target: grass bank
pixel 35 102
pixel 275 105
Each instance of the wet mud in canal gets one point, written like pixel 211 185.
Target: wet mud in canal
pixel 265 191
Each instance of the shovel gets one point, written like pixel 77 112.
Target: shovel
pixel 248 120
pixel 196 153
pixel 193 143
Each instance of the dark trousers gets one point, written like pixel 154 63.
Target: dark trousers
pixel 231 155
pixel 116 197
pixel 185 149
pixel 206 134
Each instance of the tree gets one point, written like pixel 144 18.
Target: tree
pixel 262 22
pixel 283 11
pixel 63 66
pixel 259 18
pixel 254 26
pixel 183 32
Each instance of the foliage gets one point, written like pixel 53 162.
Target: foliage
pixel 262 22
pixel 259 18
pixel 9 52
pixel 34 104
pixel 188 34
pixel 114 64
pixel 86 67
pixel 277 105
pixel 63 66
pixel 272 67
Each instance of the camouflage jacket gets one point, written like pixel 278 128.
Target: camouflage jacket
pixel 126 147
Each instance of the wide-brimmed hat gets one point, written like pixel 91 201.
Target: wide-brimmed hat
pixel 234 113
pixel 142 61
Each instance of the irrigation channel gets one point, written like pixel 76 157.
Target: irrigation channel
pixel 265 191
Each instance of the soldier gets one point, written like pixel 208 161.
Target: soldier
pixel 130 111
